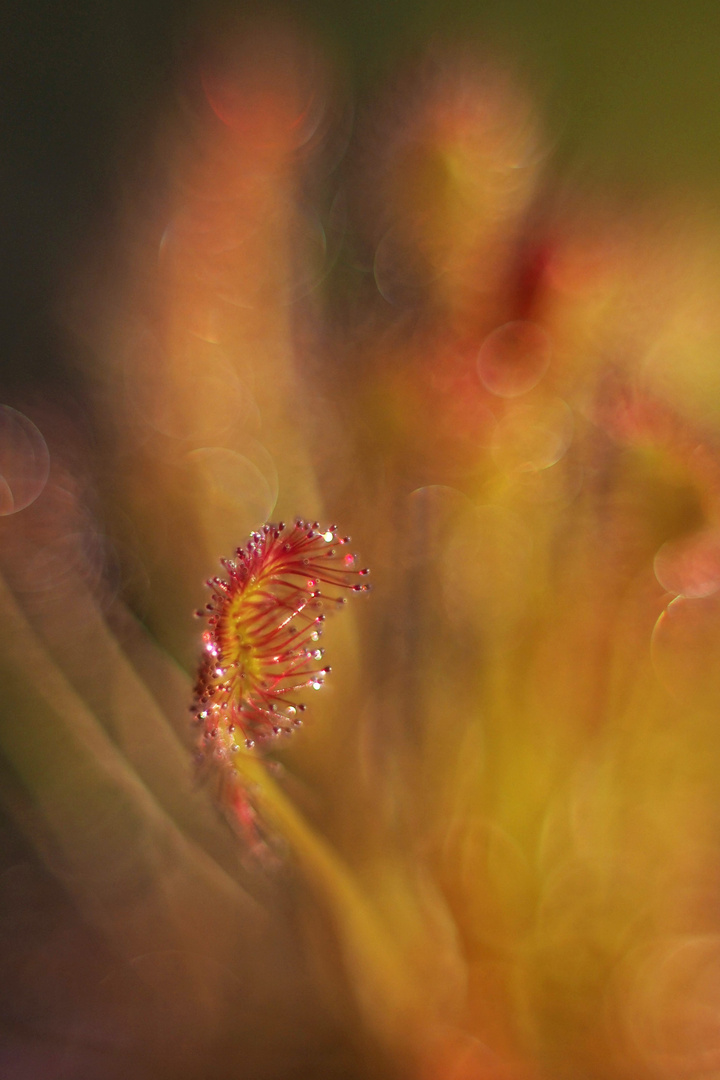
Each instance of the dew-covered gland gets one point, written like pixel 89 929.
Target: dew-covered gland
pixel 262 625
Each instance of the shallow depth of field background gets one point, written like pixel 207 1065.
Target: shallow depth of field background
pixel 490 352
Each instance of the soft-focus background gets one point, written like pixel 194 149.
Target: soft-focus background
pixel 446 274
pixel 629 95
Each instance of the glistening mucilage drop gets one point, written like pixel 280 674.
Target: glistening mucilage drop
pixel 264 620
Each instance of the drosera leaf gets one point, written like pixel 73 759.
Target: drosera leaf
pixel 264 622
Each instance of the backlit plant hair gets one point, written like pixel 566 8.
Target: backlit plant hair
pixel 264 622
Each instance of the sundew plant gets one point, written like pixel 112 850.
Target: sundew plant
pixel 467 826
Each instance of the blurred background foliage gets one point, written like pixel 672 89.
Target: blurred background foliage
pixel 630 92
pixel 629 98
